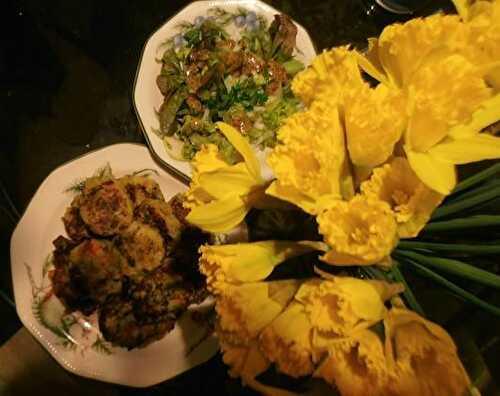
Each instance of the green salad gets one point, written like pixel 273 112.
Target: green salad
pixel 208 76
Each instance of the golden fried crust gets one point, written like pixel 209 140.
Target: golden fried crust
pixel 106 208
pixel 74 225
pixel 159 214
pixel 120 326
pixel 95 269
pixel 142 246
pixel 139 188
pixel 178 208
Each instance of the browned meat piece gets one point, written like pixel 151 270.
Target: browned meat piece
pixel 232 60
pixel 241 122
pixel 142 246
pixel 86 274
pixel 228 44
pixel 196 77
pixel 160 294
pixel 194 104
pixel 178 208
pixel 159 214
pixel 283 33
pixel 119 325
pixel 277 76
pixel 139 188
pixel 95 269
pixel 199 55
pixel 73 224
pixel 252 64
pixel 106 208
pixel 60 278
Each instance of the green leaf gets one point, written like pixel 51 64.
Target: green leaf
pixel 408 294
pixel 454 267
pixel 293 66
pixel 451 208
pixel 450 247
pixel 477 178
pixel 464 294
pixel 463 223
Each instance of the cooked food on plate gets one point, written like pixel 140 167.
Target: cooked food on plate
pixel 209 75
pixel 124 258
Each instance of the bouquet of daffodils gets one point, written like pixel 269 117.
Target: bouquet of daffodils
pixel 371 162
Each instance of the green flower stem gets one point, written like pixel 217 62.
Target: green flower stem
pixel 454 267
pixel 450 247
pixel 464 223
pixel 477 178
pixel 410 297
pixel 467 203
pixel 464 294
pixel 473 192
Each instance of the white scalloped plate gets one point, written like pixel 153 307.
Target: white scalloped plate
pixel 147 97
pixel 74 340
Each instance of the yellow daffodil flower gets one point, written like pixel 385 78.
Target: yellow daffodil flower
pixel 247 362
pixel 449 100
pixel 417 358
pixel 328 75
pixel 287 341
pixel 244 360
pixel 206 160
pixel 340 306
pixel 394 57
pixel 244 310
pixel 309 161
pixel 482 44
pixel 357 365
pixel 361 231
pixel 220 195
pixel 411 200
pixel 247 262
pixel 323 310
pixel 425 356
pixel 375 120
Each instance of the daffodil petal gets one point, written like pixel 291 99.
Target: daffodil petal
pixel 291 194
pixel 287 341
pixel 248 270
pixel 487 114
pixel 219 216
pixel 476 148
pixel 248 262
pixel 245 309
pixel 243 147
pixel 462 7
pixel 438 369
pixel 438 175
pixel 443 92
pixel 230 180
pixel 370 63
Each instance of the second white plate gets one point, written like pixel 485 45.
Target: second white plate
pixel 147 97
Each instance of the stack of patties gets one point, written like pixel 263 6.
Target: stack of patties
pixel 130 256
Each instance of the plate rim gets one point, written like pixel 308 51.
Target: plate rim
pixel 28 322
pixel 185 178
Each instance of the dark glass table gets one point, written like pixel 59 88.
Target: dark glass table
pixel 66 74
